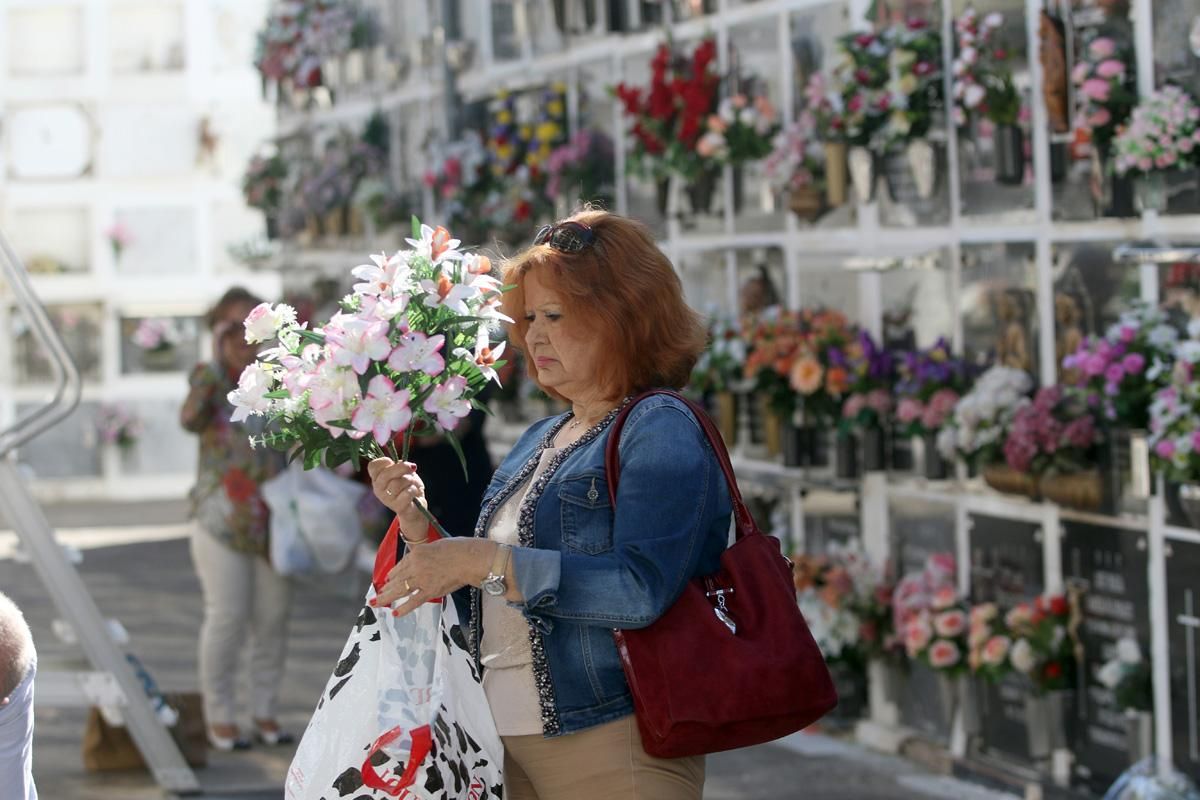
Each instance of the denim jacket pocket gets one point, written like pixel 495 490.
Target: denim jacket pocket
pixel 586 514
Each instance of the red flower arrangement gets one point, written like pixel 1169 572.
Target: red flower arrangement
pixel 670 115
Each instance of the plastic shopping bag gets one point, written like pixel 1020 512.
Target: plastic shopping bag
pixel 403 715
pixel 315 527
pixel 1144 781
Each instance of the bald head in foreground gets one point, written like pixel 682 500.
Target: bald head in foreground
pixel 18 663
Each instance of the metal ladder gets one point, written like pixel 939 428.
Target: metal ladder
pixel 112 682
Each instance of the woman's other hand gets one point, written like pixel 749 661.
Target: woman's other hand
pixel 398 487
pixel 435 570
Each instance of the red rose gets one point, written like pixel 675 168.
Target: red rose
pixel 864 40
pixel 862 75
pixel 1059 606
pixel 1052 671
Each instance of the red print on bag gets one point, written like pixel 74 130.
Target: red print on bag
pixel 475 792
pixel 422 743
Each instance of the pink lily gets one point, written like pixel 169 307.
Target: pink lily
pixel 447 403
pixel 416 351
pixel 383 411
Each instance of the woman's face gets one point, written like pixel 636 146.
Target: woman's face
pixel 231 343
pixel 565 356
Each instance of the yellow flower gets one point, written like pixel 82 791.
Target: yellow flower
pixel 554 108
pixel 504 117
pixel 548 131
pixel 908 84
pixel 526 132
pixel 559 87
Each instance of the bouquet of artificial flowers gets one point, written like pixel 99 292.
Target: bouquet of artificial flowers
pixel 740 131
pixel 795 160
pixel 871 368
pixel 1043 648
pixel 930 615
pixel 1122 371
pixel 1057 433
pixel 988 643
pixel 724 358
pixel 1175 414
pixel 1104 79
pixel 1163 134
pixel 982 417
pixel 117 425
pixel 407 353
pixel 929 385
pixel 156 334
pixel 1127 675
pixel 983 82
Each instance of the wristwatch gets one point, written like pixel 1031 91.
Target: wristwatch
pixel 494 583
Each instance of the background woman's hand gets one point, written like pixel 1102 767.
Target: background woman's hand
pixel 398 486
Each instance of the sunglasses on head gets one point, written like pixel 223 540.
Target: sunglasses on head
pixel 566 237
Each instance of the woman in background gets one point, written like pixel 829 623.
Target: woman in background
pixel 245 601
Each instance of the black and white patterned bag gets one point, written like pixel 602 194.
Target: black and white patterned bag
pixel 403 715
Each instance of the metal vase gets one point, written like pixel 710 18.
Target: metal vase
pixel 1044 724
pixel 1008 142
pixel 936 467
pixel 1139 733
pixel 1150 192
pixel 1189 503
pixel 874 441
pixel 847 456
pixel 835 174
pixel 922 160
pixel 949 691
pixel 903 454
pixel 972 714
pixel 862 173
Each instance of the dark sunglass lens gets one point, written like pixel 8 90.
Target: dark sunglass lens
pixel 543 234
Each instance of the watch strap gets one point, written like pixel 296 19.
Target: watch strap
pixel 500 561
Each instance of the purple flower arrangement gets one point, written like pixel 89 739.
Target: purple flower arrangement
pixel 871 370
pixel 929 385
pixel 1057 432
pixel 117 425
pixel 1120 372
pixel 1175 414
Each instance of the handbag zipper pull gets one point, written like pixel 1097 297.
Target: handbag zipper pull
pixel 722 610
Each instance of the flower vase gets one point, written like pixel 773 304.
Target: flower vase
pixel 846 467
pixel 725 409
pixel 806 203
pixel 1008 142
pixel 333 224
pixel 1083 491
pixel 662 195
pixel 1150 192
pixel 1045 723
pixel 861 162
pixel 972 714
pixel 835 174
pixel 355 69
pixel 1189 503
pixel 902 456
pixel 700 191
pixel 272 226
pixel 1118 194
pixel 922 161
pixel 1139 734
pixel 949 692
pixel 772 432
pixel 935 467
pixel 1004 479
pixel 874 441
pixel 738 176
pixel 803 446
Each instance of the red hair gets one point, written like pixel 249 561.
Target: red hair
pixel 625 291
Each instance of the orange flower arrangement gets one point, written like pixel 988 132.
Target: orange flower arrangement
pixel 788 360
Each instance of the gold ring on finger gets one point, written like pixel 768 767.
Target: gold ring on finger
pixel 407 588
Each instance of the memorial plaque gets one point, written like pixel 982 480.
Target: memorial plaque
pixel 824 531
pixel 1007 566
pixel 1183 621
pixel 915 537
pixel 1110 565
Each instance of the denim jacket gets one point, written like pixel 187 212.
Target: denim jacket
pixel 584 570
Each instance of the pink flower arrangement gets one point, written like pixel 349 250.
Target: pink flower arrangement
pixel 119 238
pixel 1056 432
pixel 156 334
pixel 983 83
pixel 1122 370
pixel 930 383
pixel 795 160
pixel 929 614
pixel 1163 134
pixel 1104 80
pixel 118 426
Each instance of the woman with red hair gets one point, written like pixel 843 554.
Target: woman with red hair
pixel 553 568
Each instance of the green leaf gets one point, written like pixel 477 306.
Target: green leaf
pixel 416 227
pixel 278 394
pixel 312 337
pixel 462 458
pixel 312 458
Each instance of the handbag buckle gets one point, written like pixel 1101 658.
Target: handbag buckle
pixel 722 610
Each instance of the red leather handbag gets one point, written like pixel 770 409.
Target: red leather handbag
pixel 732 663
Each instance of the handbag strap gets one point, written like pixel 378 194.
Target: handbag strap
pixel 744 522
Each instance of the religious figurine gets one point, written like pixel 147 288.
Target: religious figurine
pixel 1012 344
pixel 1053 54
pixel 1068 317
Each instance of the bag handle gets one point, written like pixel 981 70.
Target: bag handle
pixel 744 522
pixel 422 743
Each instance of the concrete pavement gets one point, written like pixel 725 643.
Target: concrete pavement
pixel 137 567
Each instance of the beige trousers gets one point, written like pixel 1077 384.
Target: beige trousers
pixel 606 762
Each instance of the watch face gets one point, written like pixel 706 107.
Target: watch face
pixel 494 586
